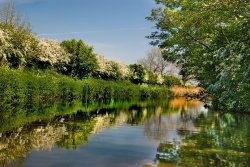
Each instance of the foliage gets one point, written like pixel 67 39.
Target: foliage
pixel 82 62
pixel 111 70
pixel 171 80
pixel 22 45
pixel 150 77
pixel 137 73
pixel 234 77
pixel 198 34
pixel 51 53
pixel 4 46
pixel 17 87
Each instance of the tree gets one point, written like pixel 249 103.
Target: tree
pixel 150 77
pixel 234 77
pixel 4 46
pixel 155 62
pixel 52 54
pixel 10 18
pixel 171 81
pixel 197 34
pixel 137 73
pixel 22 42
pixel 111 70
pixel 82 62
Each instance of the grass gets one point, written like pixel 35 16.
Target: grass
pixel 18 87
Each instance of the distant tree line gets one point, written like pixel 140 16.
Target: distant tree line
pixel 22 50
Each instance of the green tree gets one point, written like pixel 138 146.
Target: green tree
pixel 171 80
pixel 151 77
pixel 82 62
pixel 137 73
pixel 201 37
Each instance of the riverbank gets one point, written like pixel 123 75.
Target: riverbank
pixel 18 87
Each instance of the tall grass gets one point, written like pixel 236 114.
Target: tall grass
pixel 184 91
pixel 47 86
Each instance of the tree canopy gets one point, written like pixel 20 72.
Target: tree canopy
pixel 18 44
pixel 82 58
pixel 210 39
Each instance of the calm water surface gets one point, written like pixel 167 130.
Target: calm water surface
pixel 168 133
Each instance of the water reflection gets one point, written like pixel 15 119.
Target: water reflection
pixel 195 137
pixel 163 133
pixel 16 144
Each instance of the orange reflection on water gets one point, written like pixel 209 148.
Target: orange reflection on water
pixel 182 102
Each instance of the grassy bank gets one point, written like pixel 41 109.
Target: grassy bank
pixel 38 86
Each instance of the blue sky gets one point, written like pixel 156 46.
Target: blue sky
pixel 115 28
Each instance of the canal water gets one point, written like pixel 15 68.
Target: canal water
pixel 165 133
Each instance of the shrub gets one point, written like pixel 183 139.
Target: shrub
pixel 171 81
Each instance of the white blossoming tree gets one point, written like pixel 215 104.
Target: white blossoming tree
pixel 112 70
pixel 18 43
pixel 4 46
pixel 51 53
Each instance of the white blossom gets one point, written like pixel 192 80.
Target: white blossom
pixel 101 61
pixel 160 79
pixel 107 66
pixel 4 44
pixel 52 52
pixel 124 69
pixel 146 77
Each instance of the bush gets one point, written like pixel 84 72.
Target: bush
pixel 171 81
pixel 137 73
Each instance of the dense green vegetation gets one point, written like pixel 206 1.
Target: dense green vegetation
pixel 44 71
pixel 210 39
pixel 47 88
pixel 40 86
pixel 82 61
pixel 21 49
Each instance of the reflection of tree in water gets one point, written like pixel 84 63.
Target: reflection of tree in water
pixel 172 126
pixel 111 119
pixel 182 104
pixel 222 140
pixel 15 145
pixel 188 136
pixel 68 131
pixel 156 128
pixel 12 116
pixel 79 127
pixel 170 123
